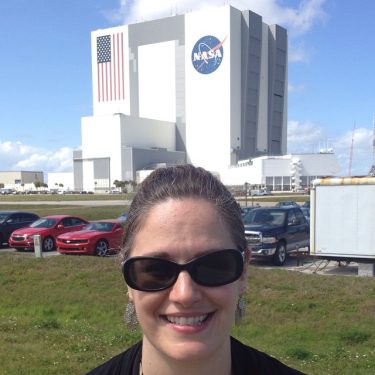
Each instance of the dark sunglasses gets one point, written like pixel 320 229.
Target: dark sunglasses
pixel 152 274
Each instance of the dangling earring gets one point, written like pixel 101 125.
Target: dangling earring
pixel 130 316
pixel 240 310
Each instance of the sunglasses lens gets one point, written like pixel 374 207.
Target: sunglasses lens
pixel 218 268
pixel 154 274
pixel 149 274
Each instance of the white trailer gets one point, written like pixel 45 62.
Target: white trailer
pixel 342 219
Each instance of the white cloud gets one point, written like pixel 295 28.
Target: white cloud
pixel 358 146
pixel 301 19
pixel 15 156
pixel 309 138
pixel 295 88
pixel 298 20
pixel 298 53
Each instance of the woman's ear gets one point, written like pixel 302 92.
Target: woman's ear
pixel 130 294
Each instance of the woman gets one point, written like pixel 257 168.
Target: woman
pixel 185 261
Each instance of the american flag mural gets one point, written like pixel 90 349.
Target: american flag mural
pixel 110 59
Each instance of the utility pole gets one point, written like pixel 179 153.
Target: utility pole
pixel 372 169
pixel 351 152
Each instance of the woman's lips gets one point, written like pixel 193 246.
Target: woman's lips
pixel 196 320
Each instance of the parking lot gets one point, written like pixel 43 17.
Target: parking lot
pixel 299 263
pixel 310 265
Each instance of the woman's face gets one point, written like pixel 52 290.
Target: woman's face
pixel 186 321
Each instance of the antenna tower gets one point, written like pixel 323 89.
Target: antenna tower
pixel 351 152
pixel 372 169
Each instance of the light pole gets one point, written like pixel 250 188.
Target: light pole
pixel 246 187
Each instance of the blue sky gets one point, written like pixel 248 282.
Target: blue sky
pixel 45 73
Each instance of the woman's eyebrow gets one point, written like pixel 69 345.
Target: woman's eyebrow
pixel 157 254
pixel 167 255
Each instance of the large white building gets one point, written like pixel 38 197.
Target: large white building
pixel 207 87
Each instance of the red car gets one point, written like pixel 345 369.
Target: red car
pixel 49 227
pixel 97 238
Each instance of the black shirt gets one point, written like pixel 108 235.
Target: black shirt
pixel 245 360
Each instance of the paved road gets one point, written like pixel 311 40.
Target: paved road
pixel 311 265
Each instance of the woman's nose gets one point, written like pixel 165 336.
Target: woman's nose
pixel 185 291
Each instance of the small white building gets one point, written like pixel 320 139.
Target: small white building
pixel 21 180
pixel 60 181
pixel 282 173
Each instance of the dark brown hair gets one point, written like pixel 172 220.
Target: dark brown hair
pixel 179 182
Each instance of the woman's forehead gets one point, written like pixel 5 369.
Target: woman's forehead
pixel 191 224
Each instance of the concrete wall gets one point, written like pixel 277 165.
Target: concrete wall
pixel 54 179
pixel 20 177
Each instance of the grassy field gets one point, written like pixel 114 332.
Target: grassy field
pixel 86 212
pixel 43 204
pixel 63 315
pixel 64 197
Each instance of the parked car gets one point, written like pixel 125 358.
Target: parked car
pixel 122 218
pixel 114 192
pixel 306 204
pixel 49 227
pixel 12 220
pixel 97 238
pixel 299 191
pixel 273 232
pixel 5 191
pixel 306 212
pixel 260 192
pixel 287 204
pixel 246 210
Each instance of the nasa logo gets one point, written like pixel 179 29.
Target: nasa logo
pixel 207 54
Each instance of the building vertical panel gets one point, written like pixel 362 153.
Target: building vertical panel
pixel 208 96
pixel 277 80
pixel 252 62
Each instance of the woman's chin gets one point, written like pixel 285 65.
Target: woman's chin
pixel 189 351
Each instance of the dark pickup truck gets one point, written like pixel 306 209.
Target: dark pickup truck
pixel 273 232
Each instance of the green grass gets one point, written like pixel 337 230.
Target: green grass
pixel 87 212
pixel 63 315
pixel 320 324
pixel 66 197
